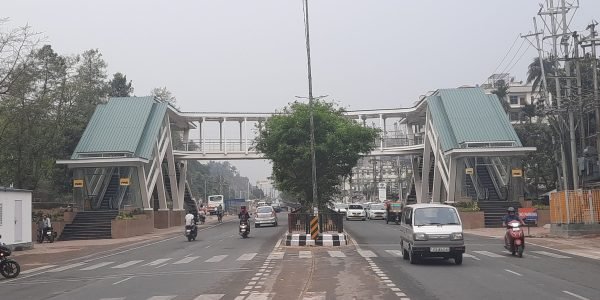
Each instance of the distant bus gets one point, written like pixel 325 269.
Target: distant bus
pixel 213 202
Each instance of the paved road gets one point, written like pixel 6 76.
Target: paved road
pixel 216 266
pixel 488 272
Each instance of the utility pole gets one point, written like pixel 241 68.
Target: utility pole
pixel 582 132
pixel 592 39
pixel 570 106
pixel 310 104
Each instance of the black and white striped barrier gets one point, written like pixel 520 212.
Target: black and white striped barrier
pixel 323 239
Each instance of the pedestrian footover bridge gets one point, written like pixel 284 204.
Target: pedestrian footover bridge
pixel 134 151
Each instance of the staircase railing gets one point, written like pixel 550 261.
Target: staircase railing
pixel 105 183
pixel 493 175
pixel 500 170
pixel 118 201
pixel 478 191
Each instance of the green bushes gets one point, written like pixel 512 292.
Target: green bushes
pixel 467 206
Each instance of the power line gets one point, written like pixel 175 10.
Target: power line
pixel 506 55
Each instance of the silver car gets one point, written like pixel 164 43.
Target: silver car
pixel 265 215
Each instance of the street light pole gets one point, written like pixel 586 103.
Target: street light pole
pixel 310 104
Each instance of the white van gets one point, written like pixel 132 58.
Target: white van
pixel 431 230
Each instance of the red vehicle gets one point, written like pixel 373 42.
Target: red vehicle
pixel 515 238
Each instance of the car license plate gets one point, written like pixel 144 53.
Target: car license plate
pixel 439 249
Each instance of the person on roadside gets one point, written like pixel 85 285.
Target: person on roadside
pixel 220 213
pixel 40 229
pixel 47 224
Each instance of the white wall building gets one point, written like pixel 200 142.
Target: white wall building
pixel 518 95
pixel 15 216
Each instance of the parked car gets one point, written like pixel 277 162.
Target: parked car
pixel 376 211
pixel 265 215
pixel 276 207
pixel 431 230
pixel 356 211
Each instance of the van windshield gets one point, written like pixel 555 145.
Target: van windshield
pixel 436 216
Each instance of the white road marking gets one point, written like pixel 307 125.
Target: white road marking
pixel 366 253
pixel 276 255
pixel 123 280
pixel 394 252
pixel 122 298
pixel 66 267
pixel 487 253
pixel 314 296
pixel 550 254
pixel 401 294
pixel 217 258
pixel 513 272
pixel 336 254
pixel 186 260
pixel 575 295
pixel 260 296
pixel 96 266
pixel 162 297
pixel 396 290
pixel 158 262
pixel 38 269
pixel 127 264
pixel 305 254
pixel 240 297
pixel 471 256
pixel 210 297
pixel 247 256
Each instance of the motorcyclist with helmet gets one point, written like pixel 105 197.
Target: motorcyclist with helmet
pixel 511 215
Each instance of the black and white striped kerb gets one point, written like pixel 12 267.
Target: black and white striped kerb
pixel 299 240
pixel 331 239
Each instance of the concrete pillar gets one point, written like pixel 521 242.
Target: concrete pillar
pixel 425 173
pixel 143 188
pixel 172 173
pixel 437 183
pixel 160 182
pixel 241 135
pixel 177 206
pixel 221 135
pixel 246 136
pixel 224 138
pixel 202 136
pixel 453 176
pixel 382 132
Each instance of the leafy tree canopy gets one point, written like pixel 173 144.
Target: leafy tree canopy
pixel 339 143
pixel 119 86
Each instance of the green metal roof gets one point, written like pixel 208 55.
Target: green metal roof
pixel 123 125
pixel 468 115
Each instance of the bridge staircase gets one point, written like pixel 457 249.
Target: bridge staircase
pixel 89 225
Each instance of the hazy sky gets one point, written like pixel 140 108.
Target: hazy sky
pixel 249 55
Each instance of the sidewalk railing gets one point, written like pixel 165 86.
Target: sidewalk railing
pixel 328 222
pixel 575 207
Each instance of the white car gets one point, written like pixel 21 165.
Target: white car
pixel 356 212
pixel 376 211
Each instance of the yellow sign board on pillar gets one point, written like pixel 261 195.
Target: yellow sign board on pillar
pixel 469 171
pixel 124 181
pixel 517 173
pixel 78 183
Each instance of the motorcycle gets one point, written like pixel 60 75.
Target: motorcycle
pixel 191 231
pixel 202 219
pixel 50 235
pixel 8 267
pixel 515 238
pixel 244 228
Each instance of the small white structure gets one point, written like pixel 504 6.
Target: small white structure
pixel 15 216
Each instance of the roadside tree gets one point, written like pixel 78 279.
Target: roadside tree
pixel 339 143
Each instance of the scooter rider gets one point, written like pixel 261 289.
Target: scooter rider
pixel 190 219
pixel 511 215
pixel 47 224
pixel 244 216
